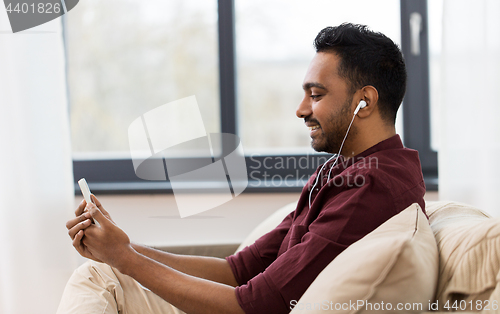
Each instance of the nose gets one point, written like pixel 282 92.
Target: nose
pixel 304 108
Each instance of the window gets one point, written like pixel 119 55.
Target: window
pixel 244 64
pixel 128 57
pixel 273 51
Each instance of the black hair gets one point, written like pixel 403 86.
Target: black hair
pixel 367 58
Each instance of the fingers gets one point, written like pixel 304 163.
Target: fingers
pixel 95 200
pixel 77 243
pixel 81 207
pixel 79 226
pixel 72 222
pixel 83 204
pixel 73 231
pixel 99 205
pixel 98 216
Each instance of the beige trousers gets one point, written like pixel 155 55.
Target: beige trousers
pixel 98 288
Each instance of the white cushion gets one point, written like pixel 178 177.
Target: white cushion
pixel 469 254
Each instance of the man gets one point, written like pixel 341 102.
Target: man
pixel 353 89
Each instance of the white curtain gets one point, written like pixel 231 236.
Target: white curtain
pixel 469 167
pixel 36 189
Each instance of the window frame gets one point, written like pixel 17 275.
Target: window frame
pixel 416 104
pixel 117 176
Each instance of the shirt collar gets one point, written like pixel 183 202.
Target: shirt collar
pixel 393 142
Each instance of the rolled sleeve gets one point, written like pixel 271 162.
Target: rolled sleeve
pixel 255 258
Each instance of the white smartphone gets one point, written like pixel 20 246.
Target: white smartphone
pixel 84 187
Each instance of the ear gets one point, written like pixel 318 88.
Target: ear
pixel 370 95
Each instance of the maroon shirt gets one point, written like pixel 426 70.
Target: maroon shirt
pixel 363 192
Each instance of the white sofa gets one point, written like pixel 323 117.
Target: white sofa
pixel 410 265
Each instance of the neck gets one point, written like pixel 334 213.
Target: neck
pixel 362 141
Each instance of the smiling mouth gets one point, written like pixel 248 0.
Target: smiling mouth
pixel 315 127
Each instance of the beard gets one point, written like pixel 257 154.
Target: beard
pixel 338 123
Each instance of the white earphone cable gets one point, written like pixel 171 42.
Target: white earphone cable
pixel 334 163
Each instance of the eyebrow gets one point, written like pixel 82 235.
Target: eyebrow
pixel 309 85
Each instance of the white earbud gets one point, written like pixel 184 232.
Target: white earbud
pixel 361 105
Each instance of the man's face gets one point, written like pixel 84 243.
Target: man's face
pixel 326 107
